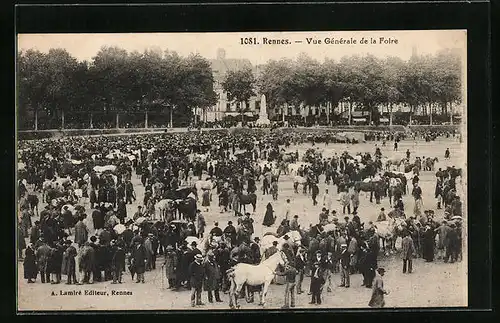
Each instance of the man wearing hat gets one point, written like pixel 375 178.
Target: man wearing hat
pixel 170 265
pixel 442 233
pixel 216 231
pixel 196 274
pixel 194 248
pixel 230 231
pixel 300 264
pixel 255 251
pixel 345 259
pixel 271 250
pixel 117 261
pixel 294 224
pixel 378 291
pixel 150 258
pixel 452 244
pixel 139 213
pixel 213 277
pixel 317 279
pixel 139 259
pixel 290 278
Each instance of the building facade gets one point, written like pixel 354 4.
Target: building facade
pixel 223 108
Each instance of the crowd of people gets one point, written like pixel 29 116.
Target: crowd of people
pixel 65 241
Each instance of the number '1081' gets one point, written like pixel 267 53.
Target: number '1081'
pixel 248 41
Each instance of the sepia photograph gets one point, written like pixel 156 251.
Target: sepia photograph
pixel 241 170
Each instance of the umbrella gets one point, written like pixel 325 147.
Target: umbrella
pixel 456 217
pixel 190 239
pixel 270 234
pixel 140 220
pixel 119 228
pixel 76 162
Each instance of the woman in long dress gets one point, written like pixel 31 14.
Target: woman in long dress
pixel 30 269
pixel 206 199
pixel 378 290
pixel 428 244
pixel 269 217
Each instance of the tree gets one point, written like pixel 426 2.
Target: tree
pixel 334 85
pixel 33 79
pixel 392 77
pixel 274 82
pixel 239 86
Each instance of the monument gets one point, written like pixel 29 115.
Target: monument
pixel 263 118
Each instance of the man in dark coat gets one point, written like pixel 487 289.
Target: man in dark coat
pixel 171 263
pixel 300 264
pixel 87 263
pixel 222 256
pixel 452 244
pixel 121 211
pixel 117 261
pixel 317 279
pixel 139 259
pixel 230 231
pixel 98 219
pixel 42 256
pixel 216 231
pixel 255 251
pixel 69 264
pixel 213 277
pixel 35 232
pixel 196 274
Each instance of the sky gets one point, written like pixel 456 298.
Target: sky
pixel 85 46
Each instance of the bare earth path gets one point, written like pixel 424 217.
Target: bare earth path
pixel 431 284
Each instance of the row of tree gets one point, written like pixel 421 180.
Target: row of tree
pixel 428 84
pixel 114 81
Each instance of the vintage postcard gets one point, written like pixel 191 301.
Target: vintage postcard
pixel 216 171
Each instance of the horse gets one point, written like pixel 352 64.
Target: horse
pixel 186 208
pixel 161 208
pixel 388 231
pixel 299 180
pixel 429 163
pixel 247 199
pixel 394 162
pixel 254 275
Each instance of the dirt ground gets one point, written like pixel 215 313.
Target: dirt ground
pixel 431 284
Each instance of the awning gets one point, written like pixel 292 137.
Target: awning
pixel 384 120
pixel 359 119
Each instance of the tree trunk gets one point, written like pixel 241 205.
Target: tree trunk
pixel 36 119
pixel 350 112
pixel 62 119
pixel 328 113
pixel 146 120
pixel 91 121
pixel 117 120
pixel 390 114
pixel 171 110
pixel 451 114
pixel 430 114
pixel 411 112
